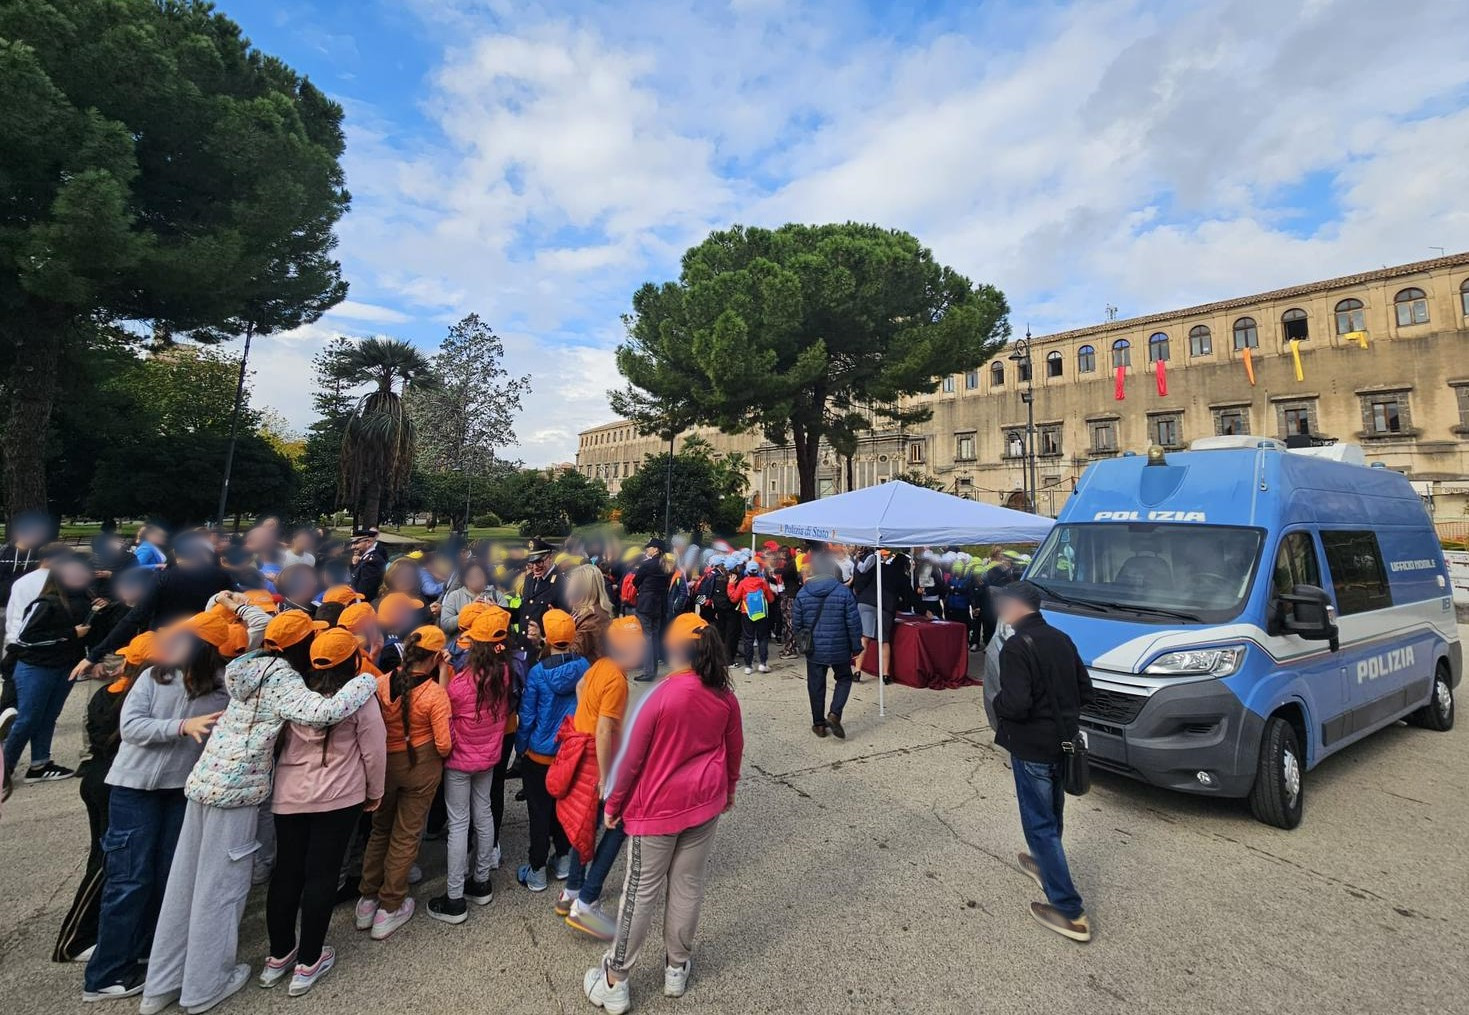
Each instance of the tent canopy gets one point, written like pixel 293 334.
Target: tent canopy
pixel 900 514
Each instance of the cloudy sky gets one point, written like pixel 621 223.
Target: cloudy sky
pixel 536 162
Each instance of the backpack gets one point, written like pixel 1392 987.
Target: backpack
pixel 678 595
pixel 629 593
pixel 720 595
pixel 755 604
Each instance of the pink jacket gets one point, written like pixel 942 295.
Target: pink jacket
pixel 681 762
pixel 479 737
pixel 328 769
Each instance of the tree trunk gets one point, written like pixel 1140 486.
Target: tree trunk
pixel 372 501
pixel 807 450
pixel 37 340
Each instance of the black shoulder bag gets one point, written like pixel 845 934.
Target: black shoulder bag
pixel 806 636
pixel 1076 772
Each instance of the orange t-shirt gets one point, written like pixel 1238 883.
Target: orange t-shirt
pixel 428 716
pixel 603 692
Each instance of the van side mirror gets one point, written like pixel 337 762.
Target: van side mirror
pixel 1306 612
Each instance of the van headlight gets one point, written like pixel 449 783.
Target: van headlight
pixel 1213 662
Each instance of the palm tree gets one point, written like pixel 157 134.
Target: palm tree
pixel 377 444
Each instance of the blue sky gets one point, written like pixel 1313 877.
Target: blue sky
pixel 536 162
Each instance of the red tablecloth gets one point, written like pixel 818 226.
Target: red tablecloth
pixel 926 653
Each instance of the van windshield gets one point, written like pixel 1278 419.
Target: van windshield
pixel 1189 573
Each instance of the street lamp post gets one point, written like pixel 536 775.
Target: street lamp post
pixel 1021 355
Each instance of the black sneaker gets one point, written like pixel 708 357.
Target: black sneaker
pixel 448 910
pixel 481 893
pixel 130 987
pixel 49 772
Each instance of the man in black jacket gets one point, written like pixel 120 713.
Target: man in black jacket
pixel 1043 684
pixel 369 563
pixel 651 581
pixel 543 588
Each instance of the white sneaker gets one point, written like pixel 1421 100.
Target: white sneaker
pixel 562 867
pixel 384 922
pixel 366 910
pixel 276 970
pixel 763 668
pixel 495 859
pixel 85 955
pixel 305 977
pixel 238 978
pixel 676 979
pixel 114 991
pixel 748 671
pixel 154 1005
pixel 611 998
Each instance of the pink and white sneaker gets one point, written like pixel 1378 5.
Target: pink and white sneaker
pixel 306 976
pixel 277 970
pixel 365 911
pixel 384 922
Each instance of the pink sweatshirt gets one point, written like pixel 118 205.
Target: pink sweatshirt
pixel 328 769
pixel 479 735
pixel 681 762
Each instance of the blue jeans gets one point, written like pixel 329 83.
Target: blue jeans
pixel 138 847
pixel 1042 800
pixel 40 693
pixel 816 689
pixel 587 883
pixel 653 630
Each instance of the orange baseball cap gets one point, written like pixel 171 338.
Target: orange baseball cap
pixel 558 628
pixel 332 646
pixel 492 625
pixel 396 600
pixel 287 629
pixel 229 637
pixel 355 616
pixel 343 594
pixel 472 612
pixel 685 628
pixel 262 599
pixel 140 649
pixel 625 630
pixel 430 636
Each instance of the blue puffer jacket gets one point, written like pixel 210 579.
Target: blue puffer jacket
pixel 550 696
pixel 837 633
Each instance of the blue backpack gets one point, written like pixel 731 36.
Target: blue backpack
pixel 755 607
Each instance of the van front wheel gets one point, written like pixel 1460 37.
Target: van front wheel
pixel 1278 796
pixel 1438 714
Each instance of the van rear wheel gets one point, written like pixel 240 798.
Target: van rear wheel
pixel 1279 794
pixel 1438 714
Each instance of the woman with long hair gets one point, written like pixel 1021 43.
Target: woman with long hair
pixel 676 775
pixel 473 587
pixel 589 605
pixel 325 778
pixel 51 641
pixel 479 699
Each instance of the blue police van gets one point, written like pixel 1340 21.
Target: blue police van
pixel 1245 611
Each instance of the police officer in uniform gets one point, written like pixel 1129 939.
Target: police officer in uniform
pixel 543 588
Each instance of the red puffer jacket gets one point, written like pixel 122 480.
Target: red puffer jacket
pixel 572 781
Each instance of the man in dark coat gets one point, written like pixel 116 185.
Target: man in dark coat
pixel 1043 685
pixel 651 581
pixel 369 563
pixel 827 609
pixel 543 588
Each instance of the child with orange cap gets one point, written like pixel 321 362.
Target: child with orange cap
pixel 417 713
pixel 601 702
pixel 549 697
pixel 165 719
pixel 194 947
pixel 103 736
pixel 479 699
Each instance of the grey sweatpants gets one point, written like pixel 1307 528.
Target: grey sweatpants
pixel 679 862
pixel 467 799
pixel 199 925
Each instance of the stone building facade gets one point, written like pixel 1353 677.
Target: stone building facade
pixel 1383 362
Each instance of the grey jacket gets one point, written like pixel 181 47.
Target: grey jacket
pixel 153 755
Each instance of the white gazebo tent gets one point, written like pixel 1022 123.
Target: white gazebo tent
pixel 903 515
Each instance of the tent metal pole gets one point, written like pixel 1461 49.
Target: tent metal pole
pixel 882 704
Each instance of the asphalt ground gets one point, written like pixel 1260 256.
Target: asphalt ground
pixel 878 874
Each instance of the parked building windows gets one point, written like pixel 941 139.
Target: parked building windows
pixel 964 447
pixel 1157 347
pixel 1246 335
pixel 1022 371
pixel 1411 306
pixel 971 380
pixel 997 374
pixel 1350 317
pixel 949 384
pixel 1386 414
pixel 1054 363
pixel 1461 393
pixel 1167 429
pixel 1014 443
pixel 1121 353
pixel 1086 360
pixel 1232 421
pixel 1295 418
pixel 1049 441
pixel 1464 296
pixel 1104 437
pixel 1293 325
pixel 1200 341
pixel 915 453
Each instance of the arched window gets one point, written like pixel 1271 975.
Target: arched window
pixel 1121 353
pixel 1294 326
pixel 1464 296
pixel 1053 363
pixel 1200 342
pixel 1412 307
pixel 1157 346
pixel 1086 360
pixel 1246 335
pixel 997 374
pixel 1350 317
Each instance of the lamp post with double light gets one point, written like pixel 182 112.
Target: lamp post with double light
pixel 1020 353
